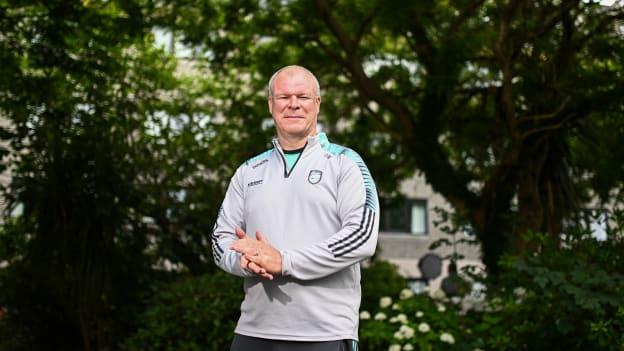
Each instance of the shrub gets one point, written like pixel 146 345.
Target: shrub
pixel 569 296
pixel 195 313
pixel 566 295
pixel 380 278
pixel 413 322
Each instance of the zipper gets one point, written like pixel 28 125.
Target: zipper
pixel 281 153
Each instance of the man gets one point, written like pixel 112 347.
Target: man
pixel 296 221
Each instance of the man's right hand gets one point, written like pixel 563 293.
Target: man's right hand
pixel 248 265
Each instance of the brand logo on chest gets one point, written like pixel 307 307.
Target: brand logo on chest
pixel 315 176
pixel 254 183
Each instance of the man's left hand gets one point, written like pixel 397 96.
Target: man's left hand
pixel 260 252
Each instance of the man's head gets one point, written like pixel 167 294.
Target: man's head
pixel 294 102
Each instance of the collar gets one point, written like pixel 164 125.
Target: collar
pixel 319 138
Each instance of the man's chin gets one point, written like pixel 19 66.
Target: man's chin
pixel 297 133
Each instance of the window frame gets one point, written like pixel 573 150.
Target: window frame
pixel 405 205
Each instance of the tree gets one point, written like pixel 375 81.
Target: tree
pixel 78 79
pixel 495 102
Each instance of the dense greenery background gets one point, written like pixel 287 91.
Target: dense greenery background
pixel 119 150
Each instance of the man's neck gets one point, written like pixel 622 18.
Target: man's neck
pixel 292 143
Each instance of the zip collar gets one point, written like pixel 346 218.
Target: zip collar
pixel 318 139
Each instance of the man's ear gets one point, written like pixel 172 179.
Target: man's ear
pixel 270 106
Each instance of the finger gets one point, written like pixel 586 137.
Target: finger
pixel 240 233
pixel 268 276
pixel 256 259
pixel 245 248
pixel 256 268
pixel 244 263
pixel 261 237
pixel 241 244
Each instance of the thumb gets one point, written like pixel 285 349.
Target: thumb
pixel 261 237
pixel 240 233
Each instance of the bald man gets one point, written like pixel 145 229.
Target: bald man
pixel 295 223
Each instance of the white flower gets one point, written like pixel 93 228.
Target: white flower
pixel 394 347
pixel 380 316
pixel 393 319
pixel 401 317
pixel 447 338
pixel 404 332
pixel 419 314
pixel 423 327
pixel 456 299
pixel 396 307
pixel 406 294
pixel 477 350
pixel 519 291
pixel 438 295
pixel 408 347
pixel 408 332
pixel 385 301
pixel 364 315
pixel 441 308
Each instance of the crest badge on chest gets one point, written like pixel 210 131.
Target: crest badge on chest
pixel 315 176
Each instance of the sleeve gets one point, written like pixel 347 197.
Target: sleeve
pixel 356 240
pixel 230 216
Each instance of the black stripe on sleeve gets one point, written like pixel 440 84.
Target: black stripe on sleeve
pixel 217 251
pixel 368 235
pixel 346 237
pixel 354 239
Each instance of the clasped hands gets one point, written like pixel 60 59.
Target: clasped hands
pixel 257 255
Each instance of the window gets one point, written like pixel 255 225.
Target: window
pixel 405 216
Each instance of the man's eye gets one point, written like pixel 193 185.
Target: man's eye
pixel 305 97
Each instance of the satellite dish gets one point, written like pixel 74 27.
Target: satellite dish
pixel 430 266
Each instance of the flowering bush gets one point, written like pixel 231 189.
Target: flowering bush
pixel 568 295
pixel 413 322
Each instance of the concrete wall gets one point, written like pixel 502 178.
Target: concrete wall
pixel 404 249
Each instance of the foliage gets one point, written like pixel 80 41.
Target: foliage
pixel 419 321
pixel 77 81
pixel 500 104
pixel 119 153
pixel 191 313
pixel 568 295
pixel 458 228
pixel 380 278
pixel 562 298
pixel 110 178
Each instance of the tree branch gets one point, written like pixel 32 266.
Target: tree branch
pixel 546 127
pixel 421 139
pixel 422 45
pixel 365 22
pixel 504 57
pixel 353 65
pixel 329 52
pixel 385 126
pixel 546 116
pixel 468 11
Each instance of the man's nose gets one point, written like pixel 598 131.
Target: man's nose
pixel 293 102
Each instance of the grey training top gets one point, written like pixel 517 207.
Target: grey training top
pixel 323 216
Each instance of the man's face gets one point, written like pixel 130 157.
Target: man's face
pixel 294 104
